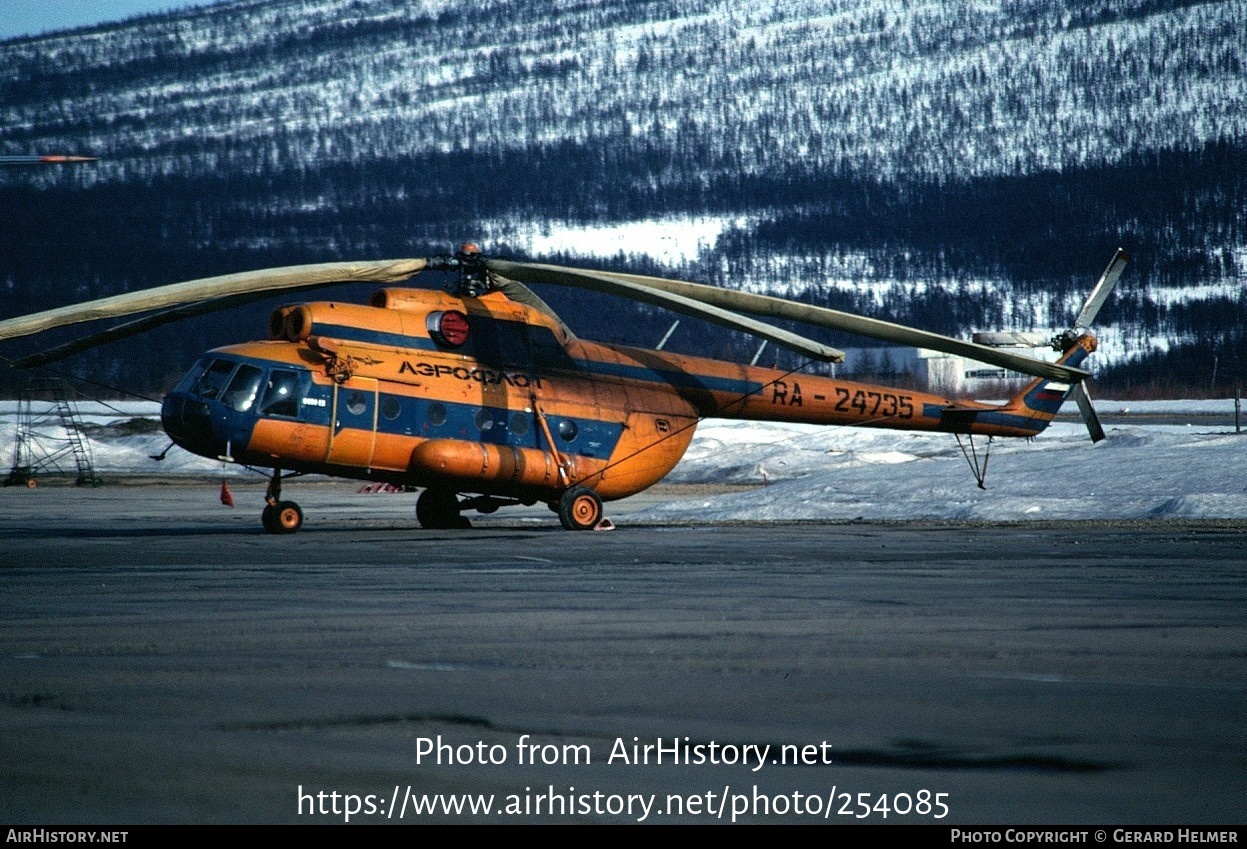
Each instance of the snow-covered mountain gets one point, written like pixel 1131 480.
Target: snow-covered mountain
pixel 960 166
pixel 929 89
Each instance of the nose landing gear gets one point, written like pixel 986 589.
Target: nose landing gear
pixel 284 517
pixel 280 517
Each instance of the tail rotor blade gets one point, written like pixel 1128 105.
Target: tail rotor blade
pixel 1085 407
pixel 1102 289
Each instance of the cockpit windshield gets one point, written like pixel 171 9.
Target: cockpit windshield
pixel 215 379
pixel 243 387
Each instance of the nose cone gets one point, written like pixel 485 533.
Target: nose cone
pixel 201 427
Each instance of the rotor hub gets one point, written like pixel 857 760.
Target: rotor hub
pixel 473 277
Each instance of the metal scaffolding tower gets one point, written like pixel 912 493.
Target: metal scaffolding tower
pixel 49 435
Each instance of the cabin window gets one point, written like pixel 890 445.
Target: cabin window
pixel 356 403
pixel 242 390
pixel 281 396
pixel 436 414
pixel 519 424
pixel 568 430
pixel 390 407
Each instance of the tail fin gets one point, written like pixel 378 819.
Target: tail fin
pixel 1041 399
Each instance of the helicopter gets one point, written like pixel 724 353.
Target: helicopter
pixel 482 397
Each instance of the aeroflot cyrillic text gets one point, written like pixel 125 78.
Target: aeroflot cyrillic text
pixel 477 374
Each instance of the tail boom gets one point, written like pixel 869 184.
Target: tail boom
pixel 812 399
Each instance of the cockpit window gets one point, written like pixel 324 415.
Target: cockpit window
pixel 214 379
pixel 241 392
pixel 281 395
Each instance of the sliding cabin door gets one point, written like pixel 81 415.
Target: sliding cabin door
pixel 354 423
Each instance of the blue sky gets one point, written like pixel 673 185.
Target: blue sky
pixel 30 17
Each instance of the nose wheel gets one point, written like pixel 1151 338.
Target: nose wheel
pixel 280 517
pixel 284 517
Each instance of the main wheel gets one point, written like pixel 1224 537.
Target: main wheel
pixel 284 517
pixel 438 509
pixel 580 509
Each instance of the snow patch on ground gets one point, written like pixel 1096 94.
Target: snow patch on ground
pixel 1137 473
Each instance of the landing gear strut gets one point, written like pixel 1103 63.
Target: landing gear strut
pixel 977 466
pixel 280 517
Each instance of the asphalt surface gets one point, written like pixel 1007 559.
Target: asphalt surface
pixel 164 660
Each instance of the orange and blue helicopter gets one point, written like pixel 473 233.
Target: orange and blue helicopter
pixel 483 397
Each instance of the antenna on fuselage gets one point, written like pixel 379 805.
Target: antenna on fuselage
pixel 758 355
pixel 667 335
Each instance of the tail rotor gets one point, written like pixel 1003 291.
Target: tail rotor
pixel 1090 309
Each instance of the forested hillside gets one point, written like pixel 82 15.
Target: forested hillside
pixel 959 170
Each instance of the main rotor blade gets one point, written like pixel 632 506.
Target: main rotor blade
pixel 521 294
pixel 139 325
pixel 527 272
pixel 863 326
pixel 264 280
pixel 1102 289
pixel 767 305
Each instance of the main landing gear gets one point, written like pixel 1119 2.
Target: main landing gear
pixel 438 509
pixel 280 517
pixel 579 509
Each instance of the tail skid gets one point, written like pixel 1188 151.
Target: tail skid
pixel 1037 405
